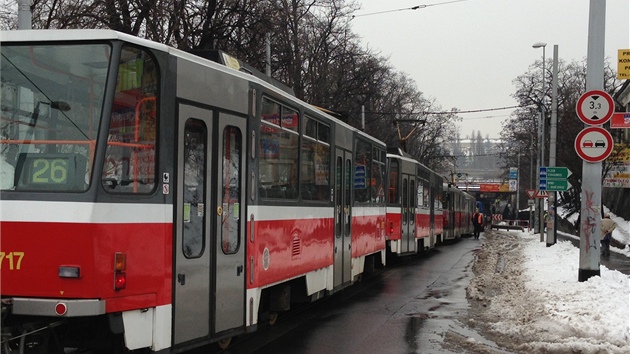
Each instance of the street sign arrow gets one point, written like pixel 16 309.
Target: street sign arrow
pixel 557 185
pixel 554 172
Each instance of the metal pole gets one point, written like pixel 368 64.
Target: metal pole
pixel 538 200
pixel 24 15
pixel 531 177
pixel 541 214
pixel 268 54
pixel 551 207
pixel 591 196
pixel 518 184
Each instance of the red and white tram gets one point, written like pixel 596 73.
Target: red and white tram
pixel 154 199
pixel 459 207
pixel 414 205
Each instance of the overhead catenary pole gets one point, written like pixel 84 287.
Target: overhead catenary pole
pixel 268 54
pixel 541 146
pixel 518 182
pixel 24 15
pixel 591 195
pixel 553 132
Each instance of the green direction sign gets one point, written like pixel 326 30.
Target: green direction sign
pixel 554 185
pixel 554 172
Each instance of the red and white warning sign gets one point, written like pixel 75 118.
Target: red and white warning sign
pixel 594 144
pixel 595 107
pixel 531 193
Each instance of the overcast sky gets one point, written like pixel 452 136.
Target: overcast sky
pixel 465 54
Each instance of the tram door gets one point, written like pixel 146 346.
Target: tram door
pixel 343 217
pixel 408 214
pixel 209 285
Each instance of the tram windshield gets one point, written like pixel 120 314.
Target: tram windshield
pixel 51 102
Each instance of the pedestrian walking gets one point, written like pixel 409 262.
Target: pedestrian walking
pixel 507 214
pixel 607 228
pixel 477 220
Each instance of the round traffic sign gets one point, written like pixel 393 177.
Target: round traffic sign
pixel 594 144
pixel 595 107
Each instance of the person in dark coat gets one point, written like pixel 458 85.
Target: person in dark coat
pixel 507 213
pixel 477 220
pixel 607 228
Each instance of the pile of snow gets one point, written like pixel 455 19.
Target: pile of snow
pixel 527 297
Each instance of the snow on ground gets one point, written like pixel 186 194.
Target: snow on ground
pixel 526 297
pixel 621 233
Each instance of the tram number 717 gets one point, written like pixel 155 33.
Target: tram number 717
pixel 13 258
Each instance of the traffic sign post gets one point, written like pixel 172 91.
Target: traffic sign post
pixel 591 191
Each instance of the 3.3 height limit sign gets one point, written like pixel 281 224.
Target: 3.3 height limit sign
pixel 595 107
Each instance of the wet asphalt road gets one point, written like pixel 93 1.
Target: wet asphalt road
pixel 405 309
pixel 408 308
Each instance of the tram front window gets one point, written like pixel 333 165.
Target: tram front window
pixel 51 102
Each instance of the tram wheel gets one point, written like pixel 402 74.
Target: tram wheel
pixel 224 343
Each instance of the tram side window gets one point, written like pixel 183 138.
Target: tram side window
pixel 194 209
pixel 377 189
pixel 130 159
pixel 424 198
pixel 231 184
pixel 420 193
pixel 315 161
pixel 392 193
pixel 437 191
pixel 445 200
pixel 278 151
pixel 362 171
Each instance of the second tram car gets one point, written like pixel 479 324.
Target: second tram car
pixel 459 208
pixel 414 205
pixel 152 199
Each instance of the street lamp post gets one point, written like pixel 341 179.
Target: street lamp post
pixel 541 139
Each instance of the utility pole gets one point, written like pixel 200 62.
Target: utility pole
pixel 551 207
pixel 24 15
pixel 591 195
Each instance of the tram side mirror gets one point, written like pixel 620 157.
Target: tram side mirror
pixel 60 105
pixel 110 183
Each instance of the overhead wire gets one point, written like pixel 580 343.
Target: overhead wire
pixel 407 8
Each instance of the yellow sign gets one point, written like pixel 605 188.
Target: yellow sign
pixel 623 64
